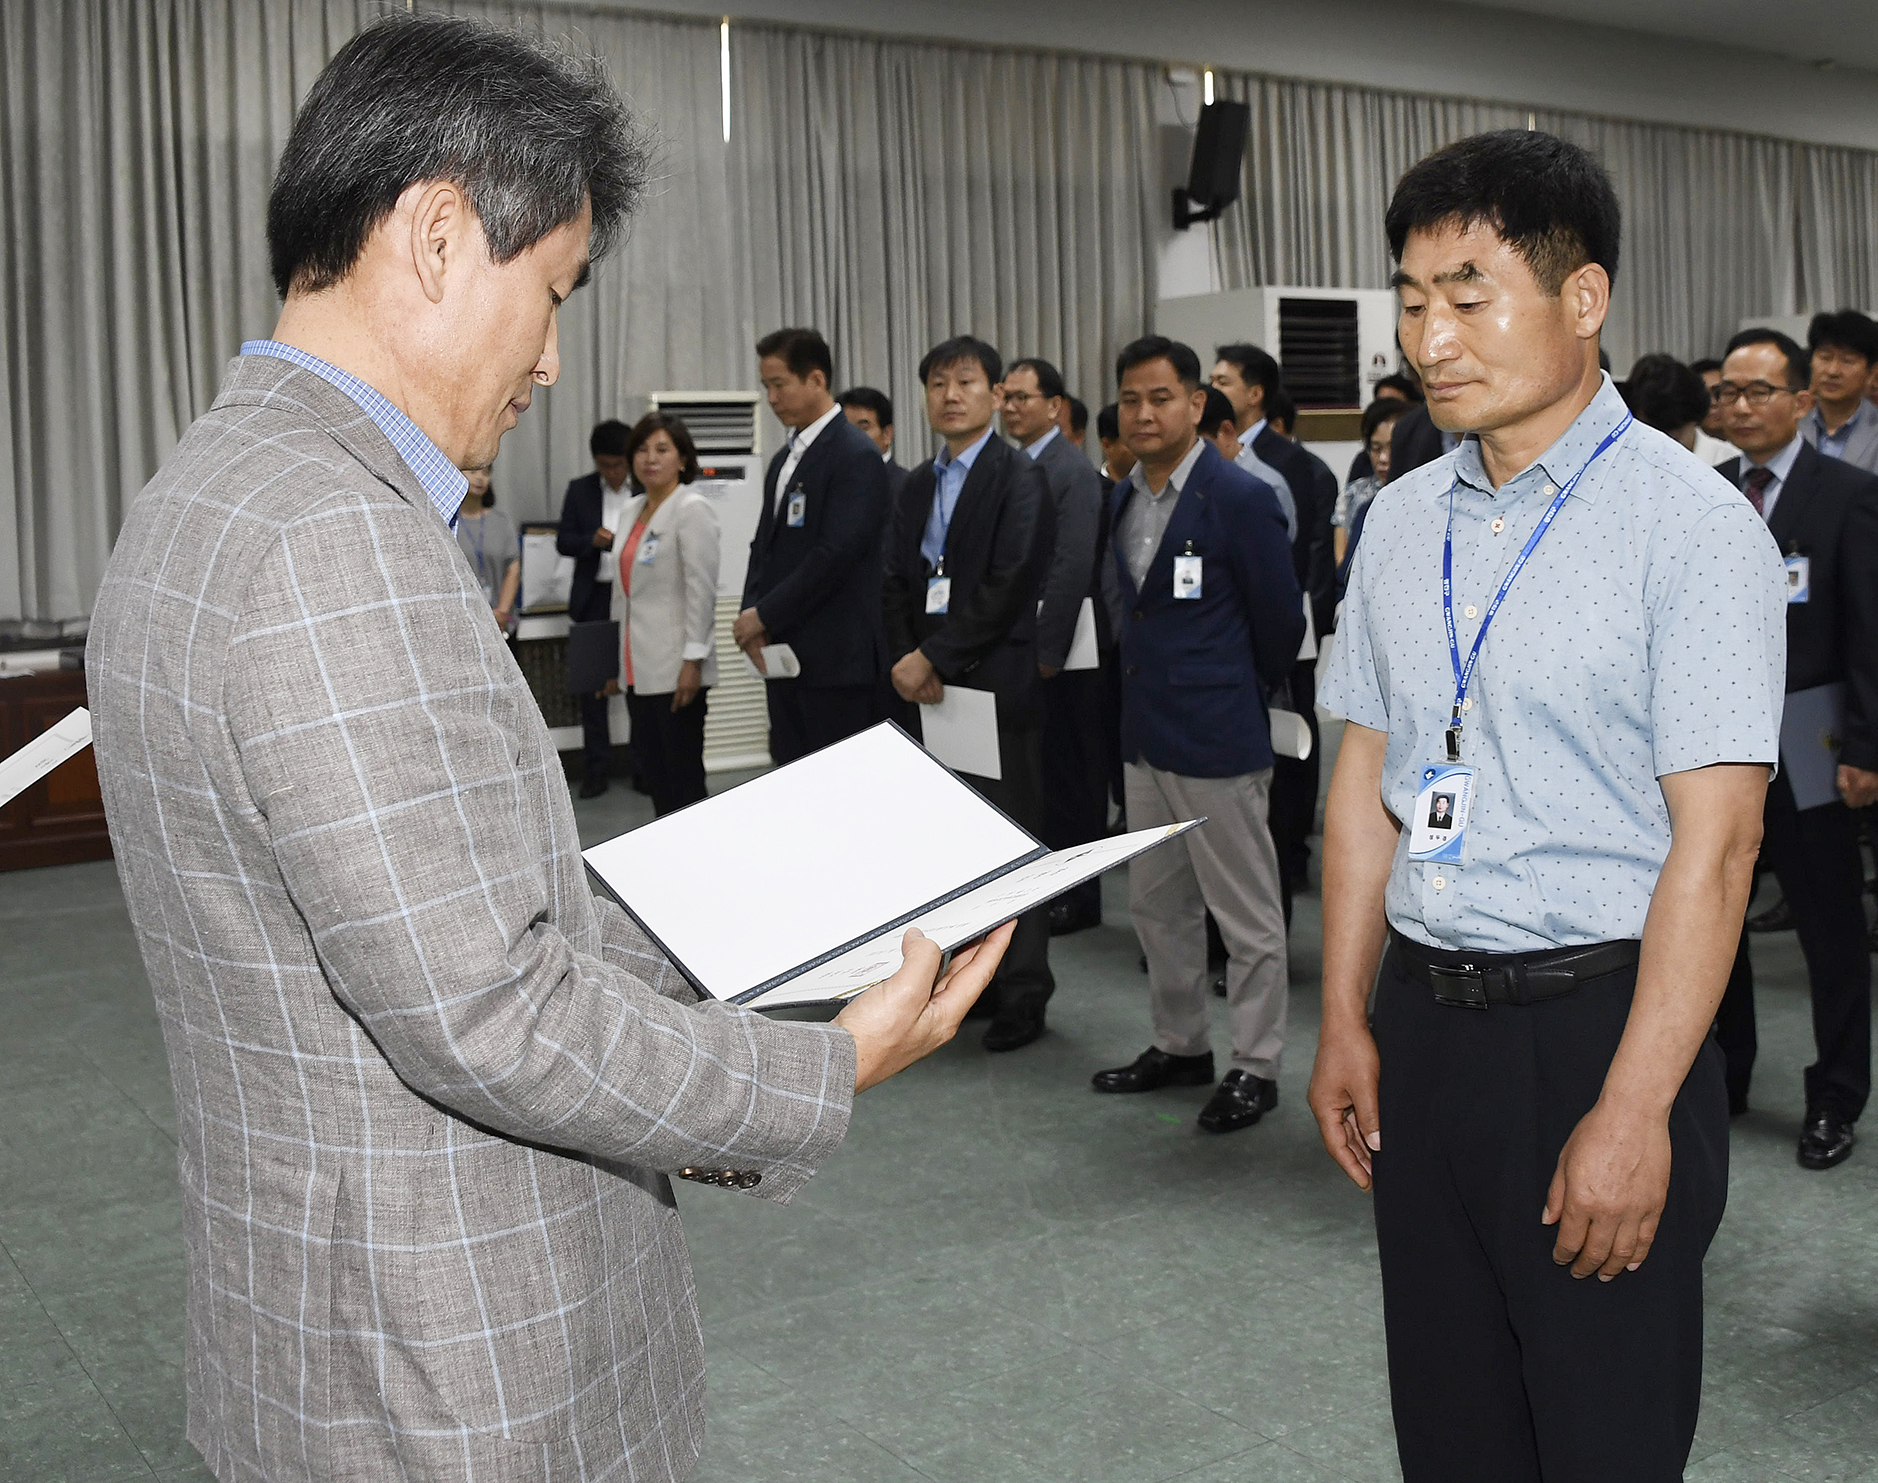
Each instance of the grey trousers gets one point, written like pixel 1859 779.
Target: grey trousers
pixel 1229 867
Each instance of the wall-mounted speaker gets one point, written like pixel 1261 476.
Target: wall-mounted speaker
pixel 1218 154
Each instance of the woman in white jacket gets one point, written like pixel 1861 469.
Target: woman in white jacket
pixel 666 604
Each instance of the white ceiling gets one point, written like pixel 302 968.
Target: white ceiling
pixel 1842 32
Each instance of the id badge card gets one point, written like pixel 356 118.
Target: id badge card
pixel 938 594
pixel 1799 579
pixel 1187 578
pixel 797 508
pixel 1438 826
pixel 648 548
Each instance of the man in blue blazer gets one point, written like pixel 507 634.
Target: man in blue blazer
pixel 1211 619
pixel 813 581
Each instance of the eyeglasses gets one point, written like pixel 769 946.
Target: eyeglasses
pixel 1758 393
pixel 1019 398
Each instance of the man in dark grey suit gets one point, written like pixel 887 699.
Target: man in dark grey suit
pixel 428 1089
pixel 1075 764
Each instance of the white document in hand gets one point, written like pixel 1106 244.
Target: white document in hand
pixel 962 731
pixel 63 740
pixel 751 892
pixel 779 663
pixel 964 918
pixel 1082 647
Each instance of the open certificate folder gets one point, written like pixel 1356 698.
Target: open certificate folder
pixel 796 887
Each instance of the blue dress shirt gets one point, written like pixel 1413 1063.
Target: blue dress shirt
pixel 1833 444
pixel 1647 635
pixel 444 484
pixel 951 474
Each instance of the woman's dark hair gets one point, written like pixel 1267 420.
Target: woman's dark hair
pixel 675 429
pixel 1665 394
pixel 1382 410
pixel 1548 200
pixel 489 497
pixel 529 131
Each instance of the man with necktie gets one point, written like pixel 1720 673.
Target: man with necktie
pixel 1824 514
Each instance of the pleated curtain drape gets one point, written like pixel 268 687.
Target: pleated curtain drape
pixel 138 140
pixel 897 193
pixel 1717 226
pixel 891 192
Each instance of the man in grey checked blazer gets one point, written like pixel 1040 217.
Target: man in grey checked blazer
pixel 428 1089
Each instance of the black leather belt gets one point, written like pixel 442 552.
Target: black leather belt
pixel 1475 980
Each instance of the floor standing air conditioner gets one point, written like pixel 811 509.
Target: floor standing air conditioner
pixel 1334 344
pixel 728 433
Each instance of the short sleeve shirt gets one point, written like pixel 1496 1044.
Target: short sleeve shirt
pixel 1645 636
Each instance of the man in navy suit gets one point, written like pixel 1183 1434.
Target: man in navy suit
pixel 1254 384
pixel 814 574
pixel 589 520
pixel 1211 619
pixel 1824 514
pixel 967 560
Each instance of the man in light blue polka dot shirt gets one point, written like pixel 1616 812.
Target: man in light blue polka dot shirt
pixel 1539 1099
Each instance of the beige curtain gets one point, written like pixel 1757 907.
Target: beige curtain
pixel 1713 230
pixel 137 143
pixel 896 193
pixel 891 192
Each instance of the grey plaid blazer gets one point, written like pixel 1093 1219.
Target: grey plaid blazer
pixel 427 1087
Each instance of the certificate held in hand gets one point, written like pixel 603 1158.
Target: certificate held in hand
pixel 795 888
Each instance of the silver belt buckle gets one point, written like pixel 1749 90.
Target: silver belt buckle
pixel 1464 987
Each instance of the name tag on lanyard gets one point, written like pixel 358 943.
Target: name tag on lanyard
pixel 1444 802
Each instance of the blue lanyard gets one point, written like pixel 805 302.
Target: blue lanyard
pixel 1464 673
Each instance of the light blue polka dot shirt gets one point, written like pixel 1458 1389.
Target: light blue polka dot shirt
pixel 1646 636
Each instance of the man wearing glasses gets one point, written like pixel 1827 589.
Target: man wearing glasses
pixel 1824 514
pixel 1075 762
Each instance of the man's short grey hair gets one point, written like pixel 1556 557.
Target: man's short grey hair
pixel 528 130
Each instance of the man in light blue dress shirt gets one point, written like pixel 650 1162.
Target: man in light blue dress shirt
pixel 1539 1099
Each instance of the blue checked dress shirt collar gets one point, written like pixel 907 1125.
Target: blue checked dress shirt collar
pixel 444 484
pixel 1833 444
pixel 951 473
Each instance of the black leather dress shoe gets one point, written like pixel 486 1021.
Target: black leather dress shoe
pixel 593 787
pixel 1826 1140
pixel 1012 1031
pixel 1777 918
pixel 1066 917
pixel 1242 1099
pixel 1154 1069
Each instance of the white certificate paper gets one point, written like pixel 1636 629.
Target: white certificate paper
pixel 60 742
pixel 962 731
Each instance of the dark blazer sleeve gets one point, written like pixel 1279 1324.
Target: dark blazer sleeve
pixel 1020 555
pixel 1858 585
pixel 753 568
pixel 578 522
pixel 854 498
pixel 1320 574
pixel 1076 494
pixel 1268 586
pixel 900 591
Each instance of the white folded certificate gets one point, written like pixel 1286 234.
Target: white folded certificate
pixel 60 742
pixel 779 663
pixel 795 887
pixel 1082 645
pixel 962 731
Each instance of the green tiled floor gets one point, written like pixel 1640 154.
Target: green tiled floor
pixel 1001 1277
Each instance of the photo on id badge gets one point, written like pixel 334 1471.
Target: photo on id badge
pixel 1439 827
